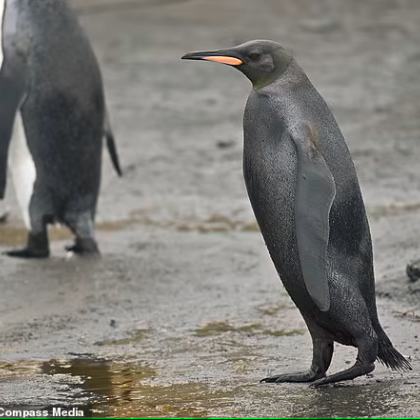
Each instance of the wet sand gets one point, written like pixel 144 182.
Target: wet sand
pixel 184 313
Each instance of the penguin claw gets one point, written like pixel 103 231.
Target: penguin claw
pixel 268 380
pixel 277 379
pixel 292 377
pixel 318 383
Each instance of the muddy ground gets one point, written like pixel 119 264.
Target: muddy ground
pixel 184 313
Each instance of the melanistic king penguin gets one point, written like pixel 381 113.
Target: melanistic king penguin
pixel 305 194
pixel 53 115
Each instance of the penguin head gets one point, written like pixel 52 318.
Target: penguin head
pixel 261 61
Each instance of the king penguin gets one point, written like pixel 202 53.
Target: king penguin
pixel 53 117
pixel 305 194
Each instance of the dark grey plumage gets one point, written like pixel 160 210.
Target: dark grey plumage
pixel 50 75
pixel 305 194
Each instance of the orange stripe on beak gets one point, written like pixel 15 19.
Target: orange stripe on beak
pixel 224 59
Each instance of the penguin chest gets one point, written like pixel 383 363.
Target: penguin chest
pixel 20 160
pixel 270 173
pixel 269 161
pixel 270 166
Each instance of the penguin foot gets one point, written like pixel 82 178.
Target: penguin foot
pixel 308 376
pixel 358 369
pixel 28 253
pixel 37 247
pixel 84 247
pixel 413 270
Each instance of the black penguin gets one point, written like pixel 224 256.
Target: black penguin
pixel 52 111
pixel 305 194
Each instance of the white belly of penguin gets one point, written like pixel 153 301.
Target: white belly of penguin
pixel 22 167
pixel 20 160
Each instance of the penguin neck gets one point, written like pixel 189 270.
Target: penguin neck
pixel 277 73
pixel 289 78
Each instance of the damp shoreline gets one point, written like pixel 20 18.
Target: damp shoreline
pixel 184 313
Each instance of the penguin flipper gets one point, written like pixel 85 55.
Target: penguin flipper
pixel 15 45
pixel 315 193
pixel 11 94
pixel 110 144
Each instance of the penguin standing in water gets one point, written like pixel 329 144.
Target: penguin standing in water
pixel 53 116
pixel 305 194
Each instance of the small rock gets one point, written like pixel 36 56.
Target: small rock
pixel 225 144
pixel 413 271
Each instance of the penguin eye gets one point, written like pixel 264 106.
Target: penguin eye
pixel 254 56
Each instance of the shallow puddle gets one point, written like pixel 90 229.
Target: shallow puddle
pixel 114 388
pixel 132 389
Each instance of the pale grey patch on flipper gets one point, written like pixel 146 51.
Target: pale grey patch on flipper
pixel 315 193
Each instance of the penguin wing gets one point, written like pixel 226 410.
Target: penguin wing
pixel 315 193
pixel 11 94
pixel 110 143
pixel 12 83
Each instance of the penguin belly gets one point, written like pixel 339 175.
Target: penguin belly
pixel 22 168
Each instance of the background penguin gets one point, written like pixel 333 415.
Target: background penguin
pixel 52 110
pixel 305 194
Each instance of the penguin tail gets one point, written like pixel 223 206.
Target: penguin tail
pixel 110 143
pixel 389 356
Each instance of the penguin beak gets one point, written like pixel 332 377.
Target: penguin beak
pixel 223 57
